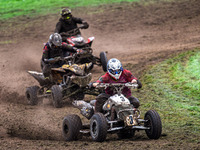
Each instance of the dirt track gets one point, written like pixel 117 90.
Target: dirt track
pixel 140 35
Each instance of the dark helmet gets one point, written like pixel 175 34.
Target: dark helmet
pixel 55 40
pixel 66 14
pixel 65 11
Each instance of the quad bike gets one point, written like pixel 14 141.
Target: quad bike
pixel 74 38
pixel 119 116
pixel 66 82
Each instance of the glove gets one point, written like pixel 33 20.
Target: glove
pixel 79 51
pixel 74 49
pixel 47 61
pixel 134 81
pixel 85 25
pixel 57 58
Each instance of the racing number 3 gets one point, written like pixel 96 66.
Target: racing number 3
pixel 131 119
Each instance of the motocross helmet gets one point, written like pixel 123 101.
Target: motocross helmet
pixel 55 40
pixel 66 14
pixel 114 68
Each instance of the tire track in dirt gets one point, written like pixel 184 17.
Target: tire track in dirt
pixel 28 123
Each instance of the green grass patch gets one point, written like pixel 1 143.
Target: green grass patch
pixel 14 8
pixel 30 8
pixel 7 42
pixel 172 88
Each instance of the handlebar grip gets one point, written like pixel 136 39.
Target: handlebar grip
pixel 52 60
pixel 135 85
pixel 48 60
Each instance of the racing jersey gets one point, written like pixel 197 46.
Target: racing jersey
pixel 63 26
pixel 125 77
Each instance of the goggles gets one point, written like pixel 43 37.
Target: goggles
pixel 54 46
pixel 114 72
pixel 67 17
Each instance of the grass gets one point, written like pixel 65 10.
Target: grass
pixel 7 42
pixel 172 88
pixel 30 8
pixel 14 8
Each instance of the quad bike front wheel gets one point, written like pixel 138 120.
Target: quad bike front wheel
pixel 98 127
pixel 103 59
pixel 56 93
pixel 71 127
pixel 154 123
pixel 31 95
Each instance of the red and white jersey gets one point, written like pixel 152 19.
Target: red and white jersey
pixel 125 77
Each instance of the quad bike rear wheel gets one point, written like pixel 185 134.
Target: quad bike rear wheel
pixel 154 123
pixel 98 127
pixel 71 127
pixel 31 95
pixel 103 59
pixel 57 96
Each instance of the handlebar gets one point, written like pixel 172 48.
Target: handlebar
pixel 129 85
pixel 52 60
pixel 56 59
pixel 72 32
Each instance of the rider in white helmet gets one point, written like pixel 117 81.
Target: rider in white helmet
pixel 116 74
pixel 114 68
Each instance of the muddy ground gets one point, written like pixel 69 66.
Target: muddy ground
pixel 135 34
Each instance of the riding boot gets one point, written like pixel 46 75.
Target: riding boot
pixel 134 101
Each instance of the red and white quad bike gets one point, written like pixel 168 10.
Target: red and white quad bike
pixel 84 50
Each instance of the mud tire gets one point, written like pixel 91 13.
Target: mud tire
pixel 103 59
pixel 139 84
pixel 126 134
pixel 57 96
pixel 98 127
pixel 31 95
pixel 154 122
pixel 71 127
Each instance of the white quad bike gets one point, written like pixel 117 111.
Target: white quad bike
pixel 119 116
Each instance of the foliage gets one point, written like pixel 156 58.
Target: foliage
pixel 172 88
pixel 14 8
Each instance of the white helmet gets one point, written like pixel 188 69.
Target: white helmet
pixel 114 68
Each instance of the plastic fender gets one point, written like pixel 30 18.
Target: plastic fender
pixel 119 99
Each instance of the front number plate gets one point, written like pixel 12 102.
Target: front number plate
pixel 131 120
